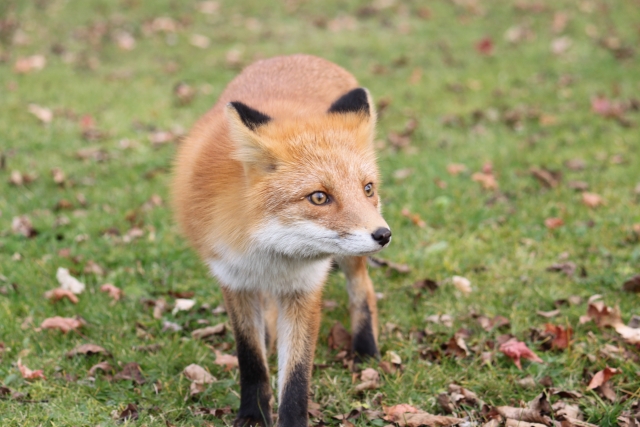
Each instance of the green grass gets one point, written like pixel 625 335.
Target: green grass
pixel 497 239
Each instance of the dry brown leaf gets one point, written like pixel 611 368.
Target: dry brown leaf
pixel 22 225
pixel 488 181
pixel 632 285
pixel 28 374
pixel 87 350
pixel 59 293
pixel 28 64
pixel 547 178
pixel 339 337
pixel 130 413
pixel 131 372
pixel 456 168
pixel 548 314
pixel 102 366
pixel 218 329
pixel 415 218
pixel 113 291
pixel 68 282
pixel 601 377
pixel 462 284
pixel 607 316
pixel 523 414
pixel 553 223
pixel 369 374
pixel 65 324
pixel 592 200
pixel 228 361
pixel 45 115
pixel 407 415
pixel 198 374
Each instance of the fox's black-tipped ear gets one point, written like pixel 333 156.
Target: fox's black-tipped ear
pixel 355 101
pixel 250 117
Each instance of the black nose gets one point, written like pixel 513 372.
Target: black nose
pixel 382 235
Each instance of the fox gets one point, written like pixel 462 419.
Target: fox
pixel 275 183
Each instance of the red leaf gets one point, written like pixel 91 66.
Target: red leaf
pixel 516 350
pixel 485 46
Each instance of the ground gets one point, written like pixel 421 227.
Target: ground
pixel 94 97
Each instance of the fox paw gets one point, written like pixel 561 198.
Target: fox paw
pixel 249 422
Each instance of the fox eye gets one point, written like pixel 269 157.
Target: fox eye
pixel 318 198
pixel 368 189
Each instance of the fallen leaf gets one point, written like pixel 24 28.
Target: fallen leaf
pixel 87 350
pixel 124 40
pixel 113 291
pixel 456 168
pixel 592 200
pixel 407 415
pixel 548 314
pixel 527 415
pixel 515 350
pixel 462 284
pixel 415 218
pixel 198 40
pixel 22 225
pixel 575 164
pixel 339 337
pixel 93 268
pixel 130 413
pixel 602 377
pixel 548 178
pixel 59 293
pixel 27 64
pixel 65 324
pixel 131 372
pixel 28 374
pixel 68 282
pixel 198 374
pixel 218 329
pixel 485 46
pixel 228 361
pixel 607 316
pixel 45 115
pixel 560 45
pixel 183 304
pixel 567 268
pixel 632 285
pixel 102 366
pixel 562 336
pixel 553 223
pixel 488 181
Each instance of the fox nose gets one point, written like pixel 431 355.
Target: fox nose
pixel 382 235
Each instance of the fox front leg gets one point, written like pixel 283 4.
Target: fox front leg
pixel 362 306
pixel 247 319
pixel 298 324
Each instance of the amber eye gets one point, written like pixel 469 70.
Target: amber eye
pixel 368 189
pixel 318 198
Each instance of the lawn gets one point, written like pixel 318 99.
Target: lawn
pixel 508 143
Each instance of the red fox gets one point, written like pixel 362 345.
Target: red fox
pixel 270 185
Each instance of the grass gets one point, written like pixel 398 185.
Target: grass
pixel 428 68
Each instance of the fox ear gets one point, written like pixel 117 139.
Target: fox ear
pixel 243 123
pixel 354 101
pixel 250 118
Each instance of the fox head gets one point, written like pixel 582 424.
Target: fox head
pixel 313 181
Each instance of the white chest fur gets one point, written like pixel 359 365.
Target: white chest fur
pixel 264 270
pixel 279 259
